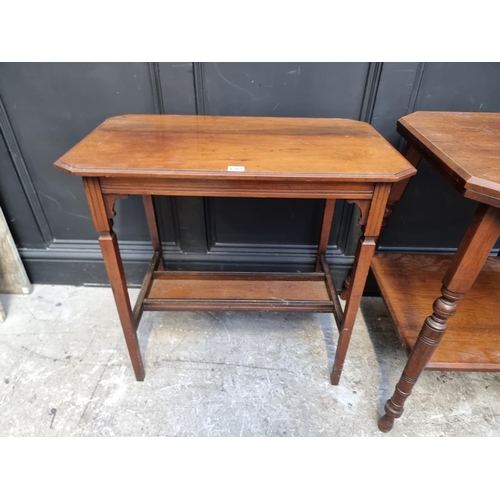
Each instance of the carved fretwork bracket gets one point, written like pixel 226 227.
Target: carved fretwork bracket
pixel 109 201
pixel 364 206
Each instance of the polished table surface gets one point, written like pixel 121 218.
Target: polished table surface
pixel 205 146
pixel 464 147
pixel 176 155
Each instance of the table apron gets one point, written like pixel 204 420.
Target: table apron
pixel 246 188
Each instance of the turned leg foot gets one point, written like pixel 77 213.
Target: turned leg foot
pixel 471 255
pixel 386 423
pixel 394 407
pixel 428 339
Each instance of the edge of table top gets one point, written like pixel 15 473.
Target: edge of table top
pixel 470 186
pixel 309 124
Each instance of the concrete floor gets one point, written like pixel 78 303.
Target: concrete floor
pixel 65 371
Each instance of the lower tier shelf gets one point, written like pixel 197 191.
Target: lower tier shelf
pixel 209 291
pixel 411 283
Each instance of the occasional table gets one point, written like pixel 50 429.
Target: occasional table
pixel 465 149
pixel 236 157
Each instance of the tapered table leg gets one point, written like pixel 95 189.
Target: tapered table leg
pixel 359 273
pixel 152 221
pixel 326 227
pixel 114 267
pixel 458 280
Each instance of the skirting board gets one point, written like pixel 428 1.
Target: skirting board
pixel 74 262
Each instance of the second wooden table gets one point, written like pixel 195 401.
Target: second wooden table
pixel 238 157
pixel 465 149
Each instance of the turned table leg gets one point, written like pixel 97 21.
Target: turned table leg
pixel 458 280
pixel 114 267
pixel 359 273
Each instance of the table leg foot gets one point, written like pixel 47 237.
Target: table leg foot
pixel 116 274
pixel 471 255
pixel 385 423
pixel 366 248
pixel 394 407
pixel 335 378
pixel 432 331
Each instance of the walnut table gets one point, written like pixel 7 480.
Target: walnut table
pixel 465 148
pixel 239 157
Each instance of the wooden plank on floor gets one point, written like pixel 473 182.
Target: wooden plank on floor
pixel 13 277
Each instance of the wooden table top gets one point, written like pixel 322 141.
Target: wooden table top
pixel 175 146
pixel 465 147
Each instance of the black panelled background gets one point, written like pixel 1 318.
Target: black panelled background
pixel 46 108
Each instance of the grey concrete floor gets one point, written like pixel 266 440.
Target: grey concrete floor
pixel 65 371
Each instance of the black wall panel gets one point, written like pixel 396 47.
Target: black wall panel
pixel 175 81
pixel 397 90
pixel 53 106
pixel 15 205
pixel 471 87
pixel 45 108
pixel 460 87
pixel 285 89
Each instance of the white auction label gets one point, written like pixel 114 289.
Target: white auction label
pixel 233 168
